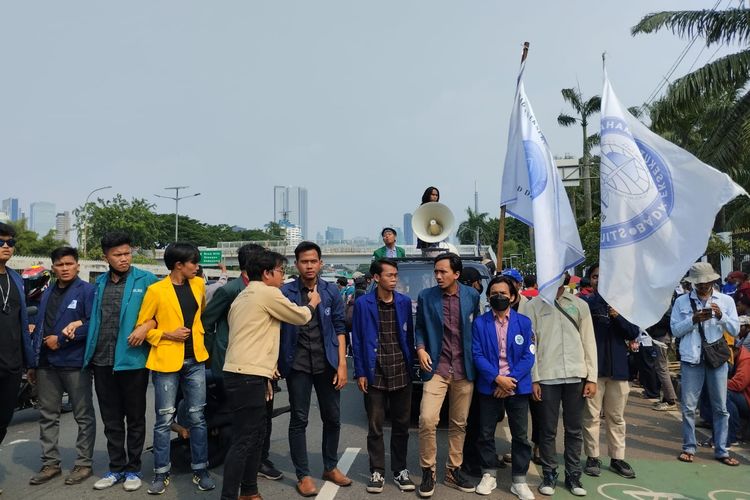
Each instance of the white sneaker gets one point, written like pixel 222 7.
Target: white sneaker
pixel 487 484
pixel 108 480
pixel 522 491
pixel 132 481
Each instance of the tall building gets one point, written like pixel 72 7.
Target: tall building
pixel 10 207
pixel 334 234
pixel 408 236
pixel 292 233
pixel 42 219
pixel 62 226
pixel 290 204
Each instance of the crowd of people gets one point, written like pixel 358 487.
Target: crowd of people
pixel 523 358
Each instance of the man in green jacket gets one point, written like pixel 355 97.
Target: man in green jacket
pixel 389 250
pixel 216 323
pixel 117 356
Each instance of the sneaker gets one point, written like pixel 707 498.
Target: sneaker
pixel 269 471
pixel 376 483
pixel 573 484
pixel 455 479
pixel 108 480
pixel 622 468
pixel 132 481
pixel 522 491
pixel 549 481
pixel 664 406
pixel 593 467
pixel 403 481
pixel 203 480
pixel 159 484
pixel 487 484
pixel 427 486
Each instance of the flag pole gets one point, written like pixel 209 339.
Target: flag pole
pixel 501 232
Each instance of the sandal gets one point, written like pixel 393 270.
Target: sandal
pixel 731 461
pixel 687 457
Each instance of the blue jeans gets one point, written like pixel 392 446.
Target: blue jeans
pixel 192 379
pixel 738 409
pixel 715 379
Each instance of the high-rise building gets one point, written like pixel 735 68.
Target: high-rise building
pixel 334 234
pixel 408 236
pixel 290 204
pixel 42 219
pixel 292 233
pixel 62 226
pixel 10 207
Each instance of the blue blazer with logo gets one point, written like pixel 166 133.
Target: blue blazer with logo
pixel 519 345
pixel 429 325
pixel 365 333
pixel 330 313
pixel 28 340
pixel 76 305
pixel 126 357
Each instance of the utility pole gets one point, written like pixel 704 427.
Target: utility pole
pixel 177 199
pixel 86 222
pixel 476 211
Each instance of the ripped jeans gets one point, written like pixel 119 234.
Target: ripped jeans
pixel 192 379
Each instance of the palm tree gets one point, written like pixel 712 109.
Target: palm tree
pixel 583 109
pixel 723 80
pixel 467 230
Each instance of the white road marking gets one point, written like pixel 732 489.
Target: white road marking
pixel 329 489
pixel 18 441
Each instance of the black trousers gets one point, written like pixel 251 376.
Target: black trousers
pixel 400 409
pixel 122 403
pixel 10 382
pixel 247 400
pixel 517 410
pixel 647 371
pixel 571 397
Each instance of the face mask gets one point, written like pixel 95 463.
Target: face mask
pixel 499 302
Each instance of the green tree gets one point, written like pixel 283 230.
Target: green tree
pixel 467 230
pixel 584 109
pixel 28 242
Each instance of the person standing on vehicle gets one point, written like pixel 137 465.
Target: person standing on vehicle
pixel 61 334
pixel 116 354
pixel 383 347
pixel 443 342
pixel 314 355
pixel 251 357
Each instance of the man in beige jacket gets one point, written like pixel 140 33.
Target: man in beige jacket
pixel 565 372
pixel 253 350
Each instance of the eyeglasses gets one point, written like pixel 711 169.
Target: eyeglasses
pixel 279 269
pixel 11 243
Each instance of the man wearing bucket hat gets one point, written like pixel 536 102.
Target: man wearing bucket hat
pixel 699 319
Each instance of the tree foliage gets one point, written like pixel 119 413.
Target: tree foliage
pixel 29 243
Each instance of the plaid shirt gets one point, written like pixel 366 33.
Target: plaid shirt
pixel 104 355
pixel 391 372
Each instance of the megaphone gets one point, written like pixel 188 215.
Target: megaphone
pixel 432 222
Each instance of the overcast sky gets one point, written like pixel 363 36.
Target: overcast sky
pixel 363 103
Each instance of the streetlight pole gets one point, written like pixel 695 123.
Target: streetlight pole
pixel 85 221
pixel 177 199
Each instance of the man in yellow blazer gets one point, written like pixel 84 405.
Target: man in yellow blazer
pixel 177 357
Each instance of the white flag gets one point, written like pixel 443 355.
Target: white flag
pixel 659 203
pixel 533 193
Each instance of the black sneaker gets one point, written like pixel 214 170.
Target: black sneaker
pixel 376 483
pixel 427 487
pixel 455 479
pixel 593 467
pixel 268 471
pixel 622 468
pixel 403 481
pixel 549 481
pixel 573 484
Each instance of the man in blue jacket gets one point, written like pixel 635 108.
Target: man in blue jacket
pixel 383 347
pixel 60 338
pixel 117 356
pixel 443 341
pixel 314 355
pixel 612 331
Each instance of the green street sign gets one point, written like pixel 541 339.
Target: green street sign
pixel 210 257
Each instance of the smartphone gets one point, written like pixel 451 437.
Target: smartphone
pixel 708 311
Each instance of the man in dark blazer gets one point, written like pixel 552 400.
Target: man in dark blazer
pixel 443 340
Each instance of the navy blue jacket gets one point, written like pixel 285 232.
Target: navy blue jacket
pixel 519 349
pixel 611 334
pixel 28 342
pixel 330 313
pixel 76 305
pixel 429 325
pixel 365 333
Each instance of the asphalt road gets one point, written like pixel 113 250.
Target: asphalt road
pixel 653 444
